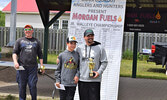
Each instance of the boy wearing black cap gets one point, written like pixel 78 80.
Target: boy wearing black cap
pixel 92 57
pixel 67 72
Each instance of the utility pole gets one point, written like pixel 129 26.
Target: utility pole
pixel 13 23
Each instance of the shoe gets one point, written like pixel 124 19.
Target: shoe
pixel 166 72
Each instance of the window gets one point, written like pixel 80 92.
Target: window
pixel 64 24
pixel 56 24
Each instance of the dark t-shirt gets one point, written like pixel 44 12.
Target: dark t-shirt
pixel 27 50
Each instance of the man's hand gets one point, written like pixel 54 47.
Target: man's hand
pixel 16 65
pixel 58 85
pixel 42 69
pixel 96 74
pixel 76 79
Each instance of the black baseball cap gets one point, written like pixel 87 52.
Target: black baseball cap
pixel 88 32
pixel 71 39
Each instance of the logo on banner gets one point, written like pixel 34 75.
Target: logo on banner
pixel 158 16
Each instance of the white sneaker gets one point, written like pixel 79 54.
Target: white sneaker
pixel 166 72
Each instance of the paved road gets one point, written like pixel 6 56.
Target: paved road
pixel 129 88
pixel 45 87
pixel 142 89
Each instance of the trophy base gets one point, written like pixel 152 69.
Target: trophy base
pixel 92 74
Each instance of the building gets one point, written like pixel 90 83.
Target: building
pixel 27 13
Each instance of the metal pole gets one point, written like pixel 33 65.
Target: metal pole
pixel 45 49
pixel 135 55
pixel 13 23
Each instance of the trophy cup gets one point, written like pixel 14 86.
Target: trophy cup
pixel 91 65
pixel 40 69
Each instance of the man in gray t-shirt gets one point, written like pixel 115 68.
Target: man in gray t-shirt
pixel 25 53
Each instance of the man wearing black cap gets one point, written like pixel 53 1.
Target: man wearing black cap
pixel 25 52
pixel 93 61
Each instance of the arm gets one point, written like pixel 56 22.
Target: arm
pixel 40 56
pixel 78 66
pixel 103 61
pixel 41 62
pixel 76 78
pixel 16 51
pixel 39 53
pixel 16 64
pixel 57 60
pixel 42 68
pixel 58 73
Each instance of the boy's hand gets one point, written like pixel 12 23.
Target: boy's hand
pixel 76 79
pixel 57 60
pixel 58 85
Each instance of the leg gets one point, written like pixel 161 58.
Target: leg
pixel 83 91
pixel 63 94
pixel 22 83
pixel 166 69
pixel 32 82
pixel 70 93
pixel 94 91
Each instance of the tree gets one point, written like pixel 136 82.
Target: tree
pixel 2 19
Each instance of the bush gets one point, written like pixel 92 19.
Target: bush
pixel 142 57
pixel 2 18
pixel 127 55
pixel 0 49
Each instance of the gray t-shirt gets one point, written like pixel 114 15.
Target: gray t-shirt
pixel 68 68
pixel 27 50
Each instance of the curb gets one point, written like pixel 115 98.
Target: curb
pixel 29 96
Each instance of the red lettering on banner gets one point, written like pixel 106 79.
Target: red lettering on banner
pixel 147 15
pixel 85 17
pixel 108 17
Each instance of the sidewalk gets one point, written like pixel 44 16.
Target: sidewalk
pixel 129 89
pixel 142 89
pixel 45 88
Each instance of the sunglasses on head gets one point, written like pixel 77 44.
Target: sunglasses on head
pixel 27 29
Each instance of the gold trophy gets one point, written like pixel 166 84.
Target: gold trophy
pixel 41 69
pixel 91 65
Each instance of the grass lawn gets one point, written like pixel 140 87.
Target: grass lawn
pixel 52 58
pixel 144 70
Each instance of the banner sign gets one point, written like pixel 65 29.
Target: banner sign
pixel 106 19
pixel 145 20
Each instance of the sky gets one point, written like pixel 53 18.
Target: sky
pixel 3 3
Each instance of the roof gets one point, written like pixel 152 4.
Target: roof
pixel 25 6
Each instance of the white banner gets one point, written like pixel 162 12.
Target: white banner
pixel 106 19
